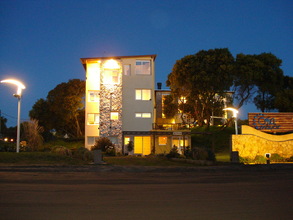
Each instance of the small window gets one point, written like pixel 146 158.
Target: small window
pixel 126 140
pixel 127 69
pixel 91 140
pixel 114 116
pixel 143 115
pixel 93 119
pixel 162 140
pixel 142 94
pixel 143 67
pixel 93 96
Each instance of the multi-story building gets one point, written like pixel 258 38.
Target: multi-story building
pixel 121 105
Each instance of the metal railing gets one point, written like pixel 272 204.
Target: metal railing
pixel 170 127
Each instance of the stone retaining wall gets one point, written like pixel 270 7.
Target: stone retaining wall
pixel 253 142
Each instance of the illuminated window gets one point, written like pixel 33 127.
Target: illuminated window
pixel 126 140
pixel 143 115
pixel 92 119
pixel 142 145
pixel 162 140
pixel 179 142
pixel 127 70
pixel 114 115
pixel 110 77
pixel 142 94
pixel 93 96
pixel 143 67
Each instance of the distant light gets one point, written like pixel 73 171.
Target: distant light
pixel 5 139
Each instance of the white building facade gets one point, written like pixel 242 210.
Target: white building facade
pixel 120 100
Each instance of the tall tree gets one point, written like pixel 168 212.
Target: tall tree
pixel 284 98
pixel 63 109
pixel 270 81
pixel 203 79
pixel 245 73
pixel 41 112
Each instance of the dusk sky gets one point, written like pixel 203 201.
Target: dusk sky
pixel 41 41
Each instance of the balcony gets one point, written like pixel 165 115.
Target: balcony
pixel 170 126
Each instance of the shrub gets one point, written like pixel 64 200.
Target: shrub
pixel 277 158
pixel 188 153
pixel 130 146
pixel 199 153
pixel 245 160
pixel 32 133
pixel 173 153
pixel 61 151
pixel 83 153
pixel 7 146
pixel 110 151
pixel 103 143
pixel 259 159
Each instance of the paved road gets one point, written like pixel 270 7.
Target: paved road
pixel 146 193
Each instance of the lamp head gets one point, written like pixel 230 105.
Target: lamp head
pixel 19 85
pixel 235 111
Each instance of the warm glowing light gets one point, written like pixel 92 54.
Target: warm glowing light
pixel 235 111
pixel 5 139
pixel 111 64
pixel 183 99
pixel 19 85
pixel 114 116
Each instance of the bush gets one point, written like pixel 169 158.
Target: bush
pixel 130 146
pixel 103 143
pixel 199 153
pixel 61 151
pixel 7 146
pixel 260 159
pixel 110 151
pixel 289 159
pixel 83 153
pixel 188 153
pixel 277 158
pixel 173 153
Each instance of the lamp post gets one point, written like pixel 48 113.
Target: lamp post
pixel 235 112
pixel 20 86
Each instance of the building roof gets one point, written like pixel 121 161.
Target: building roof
pixel 83 60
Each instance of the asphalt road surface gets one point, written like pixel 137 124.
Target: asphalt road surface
pixel 146 193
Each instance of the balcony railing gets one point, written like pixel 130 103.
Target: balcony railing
pixel 170 127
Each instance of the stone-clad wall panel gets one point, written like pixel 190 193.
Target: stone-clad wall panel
pixel 249 146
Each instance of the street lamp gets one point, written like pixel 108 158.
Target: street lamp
pixel 20 86
pixel 235 112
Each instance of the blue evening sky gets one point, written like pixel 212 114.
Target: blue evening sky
pixel 41 41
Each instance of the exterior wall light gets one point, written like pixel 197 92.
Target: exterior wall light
pixel 111 64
